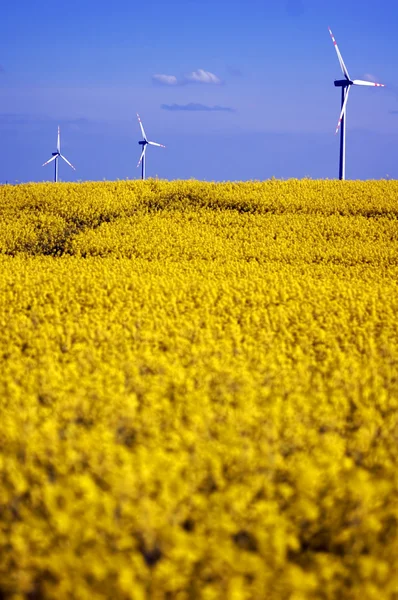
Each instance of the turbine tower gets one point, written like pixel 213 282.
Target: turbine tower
pixel 144 142
pixel 345 85
pixel 56 155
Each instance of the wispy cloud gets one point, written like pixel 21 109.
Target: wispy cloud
pixel 19 119
pixel 195 107
pixel 30 119
pixel 234 71
pixel 370 77
pixel 165 79
pixel 199 76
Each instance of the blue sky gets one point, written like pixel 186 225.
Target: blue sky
pixel 235 90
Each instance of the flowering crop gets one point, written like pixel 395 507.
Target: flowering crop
pixel 199 390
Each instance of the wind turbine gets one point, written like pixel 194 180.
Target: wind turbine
pixel 144 144
pixel 56 155
pixel 345 85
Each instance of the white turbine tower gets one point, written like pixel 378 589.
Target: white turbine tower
pixel 345 85
pixel 56 155
pixel 144 143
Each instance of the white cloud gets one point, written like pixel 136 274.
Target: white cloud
pixel 370 77
pixel 165 79
pixel 201 76
pixel 198 76
pixel 195 106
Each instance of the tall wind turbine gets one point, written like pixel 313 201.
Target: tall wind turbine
pixel 56 155
pixel 144 142
pixel 345 85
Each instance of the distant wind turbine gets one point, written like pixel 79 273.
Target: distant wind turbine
pixel 345 85
pixel 56 155
pixel 144 144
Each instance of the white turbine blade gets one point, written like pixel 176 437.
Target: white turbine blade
pixel 142 156
pixel 59 140
pixel 369 83
pixel 142 127
pixel 341 61
pixel 156 144
pixel 67 161
pixel 343 109
pixel 50 160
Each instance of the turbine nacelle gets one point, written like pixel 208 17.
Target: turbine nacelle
pixel 343 82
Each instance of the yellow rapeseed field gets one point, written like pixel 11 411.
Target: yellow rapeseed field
pixel 199 391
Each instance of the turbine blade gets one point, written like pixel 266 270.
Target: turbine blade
pixel 142 127
pixel 341 61
pixel 142 156
pixel 67 161
pixel 50 160
pixel 156 144
pixel 369 83
pixel 59 140
pixel 343 109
